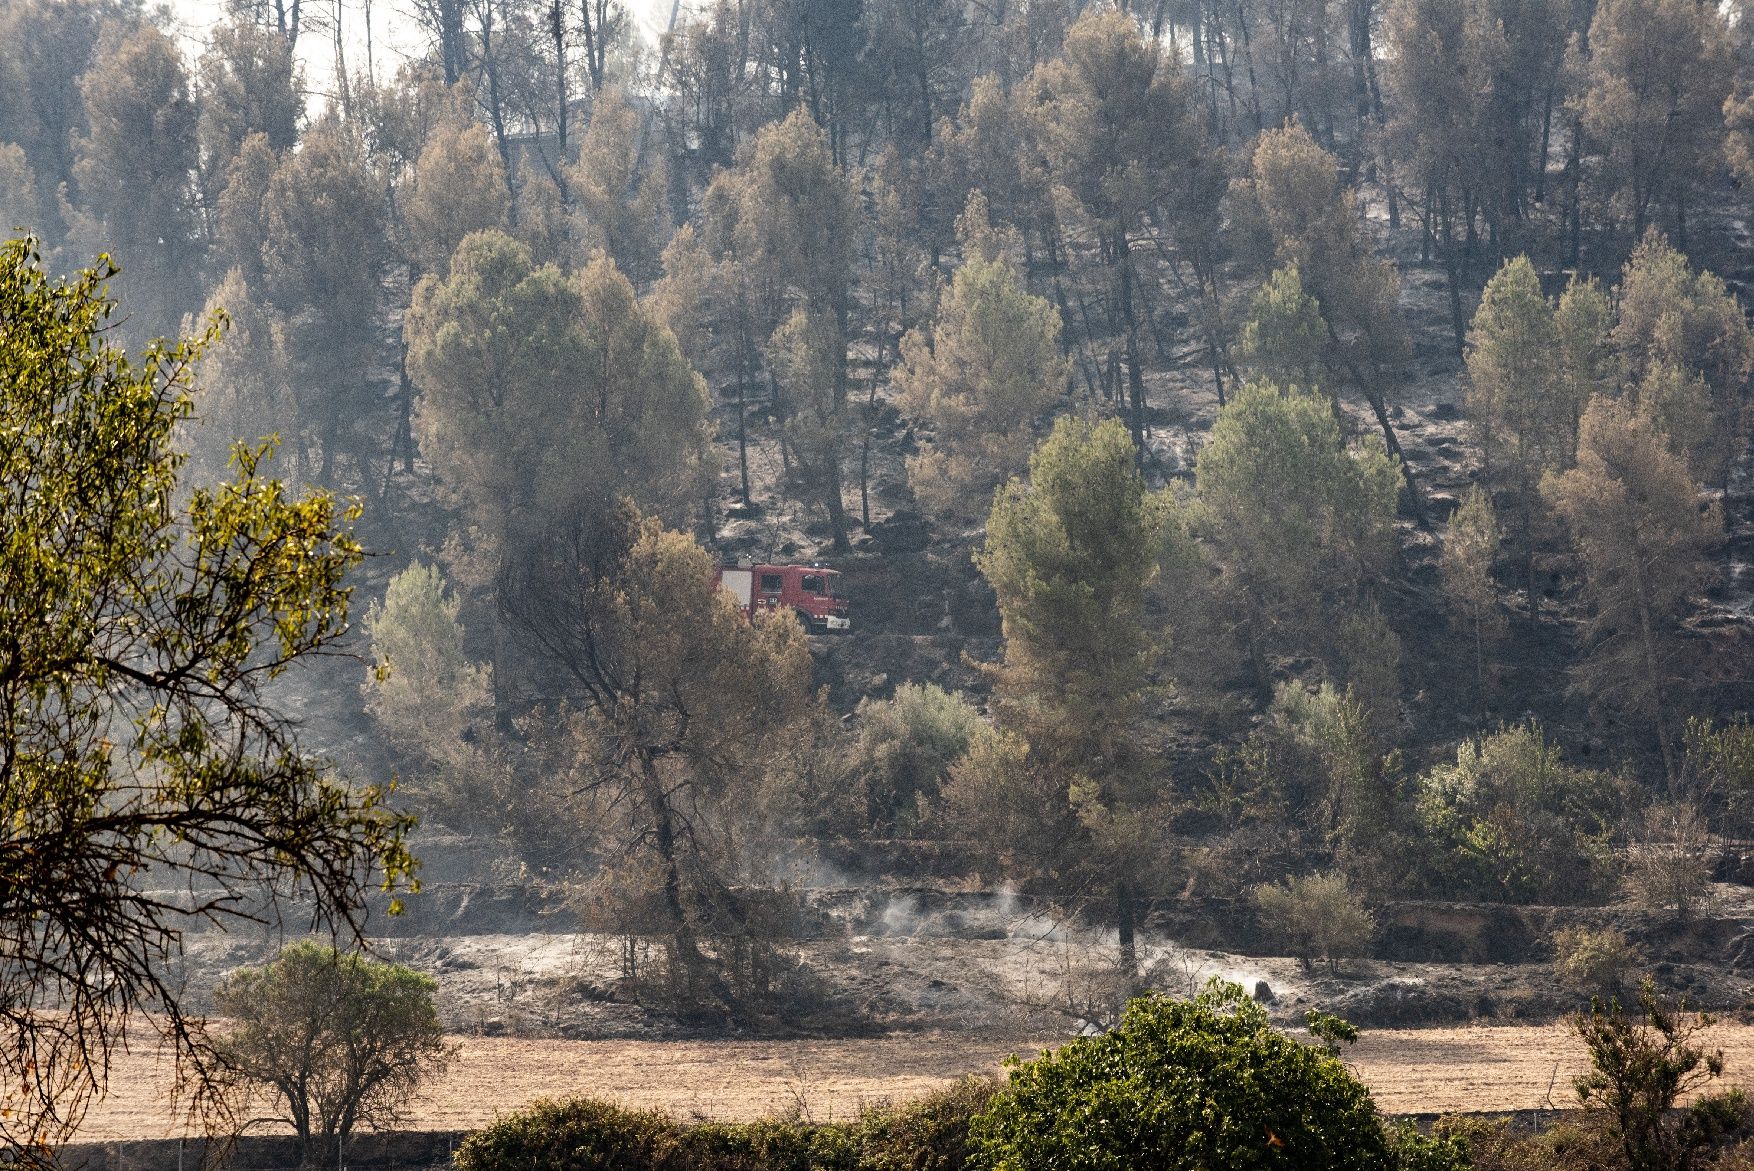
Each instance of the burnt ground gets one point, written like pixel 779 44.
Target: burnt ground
pixel 947 954
pixel 958 959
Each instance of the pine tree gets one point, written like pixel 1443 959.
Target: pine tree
pixel 1470 549
pixel 981 376
pixel 544 396
pixel 1659 72
pixel 1070 555
pixel 1301 524
pixel 457 186
pixel 1633 511
pixel 323 253
pixel 1119 129
pixel 1284 338
pixel 1690 323
pixel 134 175
pixel 1293 211
pixel 1517 400
pixel 618 186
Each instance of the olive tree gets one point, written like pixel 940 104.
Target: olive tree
pixel 1511 819
pixel 1318 916
pixel 329 1041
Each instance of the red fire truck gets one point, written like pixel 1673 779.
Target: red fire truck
pixel 812 592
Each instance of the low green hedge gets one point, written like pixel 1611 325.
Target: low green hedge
pixel 587 1135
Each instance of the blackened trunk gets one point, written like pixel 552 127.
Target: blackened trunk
pixel 1135 375
pixel 1126 915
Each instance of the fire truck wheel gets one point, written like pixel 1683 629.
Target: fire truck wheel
pixel 807 622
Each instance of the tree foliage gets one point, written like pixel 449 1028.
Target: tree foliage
pixel 1470 550
pixel 1686 354
pixel 1070 555
pixel 432 701
pixel 457 187
pixel 905 747
pixel 1659 74
pixel 140 636
pixel 334 1041
pixel 1516 823
pixel 1115 120
pixel 984 372
pixel 323 251
pixel 786 218
pixel 1517 400
pixel 1641 534
pixel 1300 523
pixel 1293 211
pixel 619 191
pixel 141 123
pixel 1204 1083
pixel 587 397
pixel 1284 338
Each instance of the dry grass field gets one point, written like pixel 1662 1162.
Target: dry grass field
pixel 1410 1071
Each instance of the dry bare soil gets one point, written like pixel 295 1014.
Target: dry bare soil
pixel 1484 1068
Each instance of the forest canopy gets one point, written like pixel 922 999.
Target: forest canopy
pixel 1289 453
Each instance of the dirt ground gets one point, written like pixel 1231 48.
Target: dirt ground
pixel 1482 1068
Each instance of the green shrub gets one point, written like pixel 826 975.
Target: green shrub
pixel 1438 1151
pixel 928 1135
pixel 1316 916
pixel 588 1135
pixel 581 1134
pixel 1511 821
pixel 904 749
pixel 1203 1084
pixel 1594 963
pixel 767 1145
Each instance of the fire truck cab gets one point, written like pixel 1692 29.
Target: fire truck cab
pixel 812 592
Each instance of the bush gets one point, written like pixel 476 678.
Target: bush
pixel 577 1135
pixel 1495 1144
pixel 1668 868
pixel 767 1145
pixel 1510 820
pixel 930 1134
pixel 1438 1151
pixel 1316 916
pixel 1643 1065
pixel 904 749
pixel 1203 1084
pixel 588 1135
pixel 1594 963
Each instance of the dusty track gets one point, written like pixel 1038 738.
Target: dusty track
pixel 1410 1071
